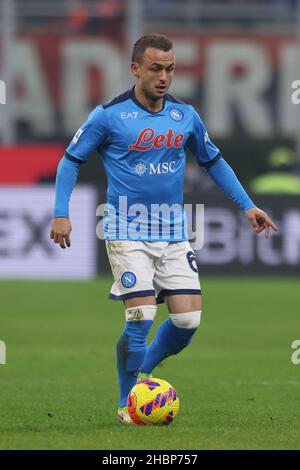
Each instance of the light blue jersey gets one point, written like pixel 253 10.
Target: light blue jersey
pixel 144 159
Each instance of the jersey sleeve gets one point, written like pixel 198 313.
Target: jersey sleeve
pixel 66 177
pixel 224 177
pixel 89 136
pixel 199 142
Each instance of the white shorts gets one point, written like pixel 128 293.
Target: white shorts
pixel 142 269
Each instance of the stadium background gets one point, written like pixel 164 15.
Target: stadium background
pixel 236 62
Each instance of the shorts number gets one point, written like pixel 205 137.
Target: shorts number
pixel 192 261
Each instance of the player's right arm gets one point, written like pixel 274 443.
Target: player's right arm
pixel 86 140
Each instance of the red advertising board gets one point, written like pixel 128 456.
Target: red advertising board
pixel 28 164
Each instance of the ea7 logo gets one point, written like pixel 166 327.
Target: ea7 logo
pixel 2 92
pixel 2 352
pixel 296 354
pixel 132 115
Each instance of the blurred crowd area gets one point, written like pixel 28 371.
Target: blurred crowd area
pixel 94 16
pixel 72 16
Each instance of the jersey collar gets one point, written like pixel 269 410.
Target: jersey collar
pixel 133 98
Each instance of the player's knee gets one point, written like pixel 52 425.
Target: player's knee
pixel 186 325
pixel 140 313
pixel 188 320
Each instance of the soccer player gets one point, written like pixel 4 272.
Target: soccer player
pixel 141 136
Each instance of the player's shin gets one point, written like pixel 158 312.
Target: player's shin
pixel 171 337
pixel 131 346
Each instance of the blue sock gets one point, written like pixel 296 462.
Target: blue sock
pixel 131 349
pixel 169 340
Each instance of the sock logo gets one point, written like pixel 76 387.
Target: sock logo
pixel 135 314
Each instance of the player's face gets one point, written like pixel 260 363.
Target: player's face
pixel 155 73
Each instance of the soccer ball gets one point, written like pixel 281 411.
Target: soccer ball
pixel 153 401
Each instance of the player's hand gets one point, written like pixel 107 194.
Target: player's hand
pixel 260 221
pixel 60 231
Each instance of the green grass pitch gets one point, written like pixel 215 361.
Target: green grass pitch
pixel 236 382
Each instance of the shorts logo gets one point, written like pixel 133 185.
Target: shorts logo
pixel 128 279
pixel 176 114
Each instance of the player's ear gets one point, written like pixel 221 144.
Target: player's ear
pixel 135 69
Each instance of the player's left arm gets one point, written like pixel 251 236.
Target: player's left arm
pixel 224 177
pixel 210 158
